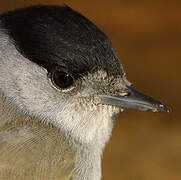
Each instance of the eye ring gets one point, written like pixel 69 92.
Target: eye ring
pixel 61 80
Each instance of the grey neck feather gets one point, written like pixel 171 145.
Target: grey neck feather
pixel 87 161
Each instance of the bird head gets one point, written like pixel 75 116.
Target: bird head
pixel 58 67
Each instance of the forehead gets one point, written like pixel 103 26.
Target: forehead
pixel 58 36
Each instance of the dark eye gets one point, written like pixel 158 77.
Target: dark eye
pixel 62 80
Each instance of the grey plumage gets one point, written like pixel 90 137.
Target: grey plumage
pixel 31 150
pixel 50 131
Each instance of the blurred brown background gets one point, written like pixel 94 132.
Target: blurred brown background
pixel 147 37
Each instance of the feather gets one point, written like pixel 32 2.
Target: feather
pixel 30 150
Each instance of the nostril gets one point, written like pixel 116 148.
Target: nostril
pixel 124 94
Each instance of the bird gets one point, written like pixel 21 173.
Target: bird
pixel 62 87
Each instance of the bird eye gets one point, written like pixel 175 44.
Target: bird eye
pixel 62 80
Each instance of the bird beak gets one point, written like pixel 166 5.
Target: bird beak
pixel 135 100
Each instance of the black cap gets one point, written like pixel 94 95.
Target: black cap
pixel 59 36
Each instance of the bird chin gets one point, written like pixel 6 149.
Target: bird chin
pixel 121 109
pixel 116 113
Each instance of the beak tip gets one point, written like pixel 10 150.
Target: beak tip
pixel 163 108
